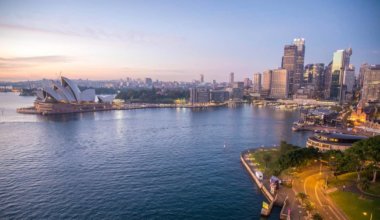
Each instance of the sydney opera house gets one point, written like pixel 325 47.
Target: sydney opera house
pixel 66 97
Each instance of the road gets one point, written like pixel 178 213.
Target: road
pixel 312 183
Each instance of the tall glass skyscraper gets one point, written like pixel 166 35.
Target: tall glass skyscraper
pixel 300 61
pixel 293 61
pixel 341 62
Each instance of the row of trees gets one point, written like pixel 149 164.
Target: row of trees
pixel 153 95
pixel 362 157
pixel 291 156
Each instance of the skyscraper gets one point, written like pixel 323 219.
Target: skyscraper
pixel 341 61
pixel 300 60
pixel 257 82
pixel 279 84
pixel 371 82
pixel 327 81
pixel 247 83
pixel 293 62
pixel 267 78
pixel 289 62
pixel 202 78
pixel 232 78
pixel 314 76
pixel 349 78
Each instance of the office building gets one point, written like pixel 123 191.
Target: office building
pixel 256 82
pixel 313 80
pixel 266 83
pixel 341 61
pixel 231 78
pixel 235 93
pixel 371 82
pixel 202 78
pixel 293 62
pixel 300 60
pixel 247 83
pixel 289 62
pixel 279 84
pixel 349 78
pixel 219 95
pixel 327 81
pixel 199 95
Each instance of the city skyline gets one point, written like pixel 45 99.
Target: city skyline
pixel 165 41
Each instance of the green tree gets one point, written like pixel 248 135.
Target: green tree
pixel 267 158
pixel 365 153
pixel 317 216
pixel 302 196
pixel 285 147
pixel 373 145
pixel 364 184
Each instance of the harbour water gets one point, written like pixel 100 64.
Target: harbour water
pixel 135 164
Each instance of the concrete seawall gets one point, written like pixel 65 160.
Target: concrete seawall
pixel 264 190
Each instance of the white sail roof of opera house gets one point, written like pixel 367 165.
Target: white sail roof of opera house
pixel 106 98
pixel 67 91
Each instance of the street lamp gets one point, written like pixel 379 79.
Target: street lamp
pixel 365 214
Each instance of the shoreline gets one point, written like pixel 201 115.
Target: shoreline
pixel 272 199
pixel 33 110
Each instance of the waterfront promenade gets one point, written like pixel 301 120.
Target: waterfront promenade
pixel 128 106
pixel 284 197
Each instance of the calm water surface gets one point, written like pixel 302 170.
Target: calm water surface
pixel 137 164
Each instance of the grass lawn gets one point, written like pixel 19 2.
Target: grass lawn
pixel 374 188
pixel 344 179
pixel 354 206
pixel 349 179
pixel 265 167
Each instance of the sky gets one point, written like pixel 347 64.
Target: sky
pixel 177 39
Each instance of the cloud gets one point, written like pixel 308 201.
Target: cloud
pixel 8 66
pixel 37 59
pixel 99 34
pixel 27 62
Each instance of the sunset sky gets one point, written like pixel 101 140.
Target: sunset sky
pixel 177 40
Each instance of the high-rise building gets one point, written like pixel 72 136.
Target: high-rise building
pixel 257 82
pixel 232 78
pixel 293 62
pixel 313 79
pixel 308 74
pixel 327 81
pixel 247 83
pixel 289 62
pixel 318 79
pixel 300 60
pixel 267 78
pixel 341 61
pixel 279 84
pixel 349 78
pixel 148 81
pixel 371 82
pixel 202 78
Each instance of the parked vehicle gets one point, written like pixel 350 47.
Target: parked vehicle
pixel 259 175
